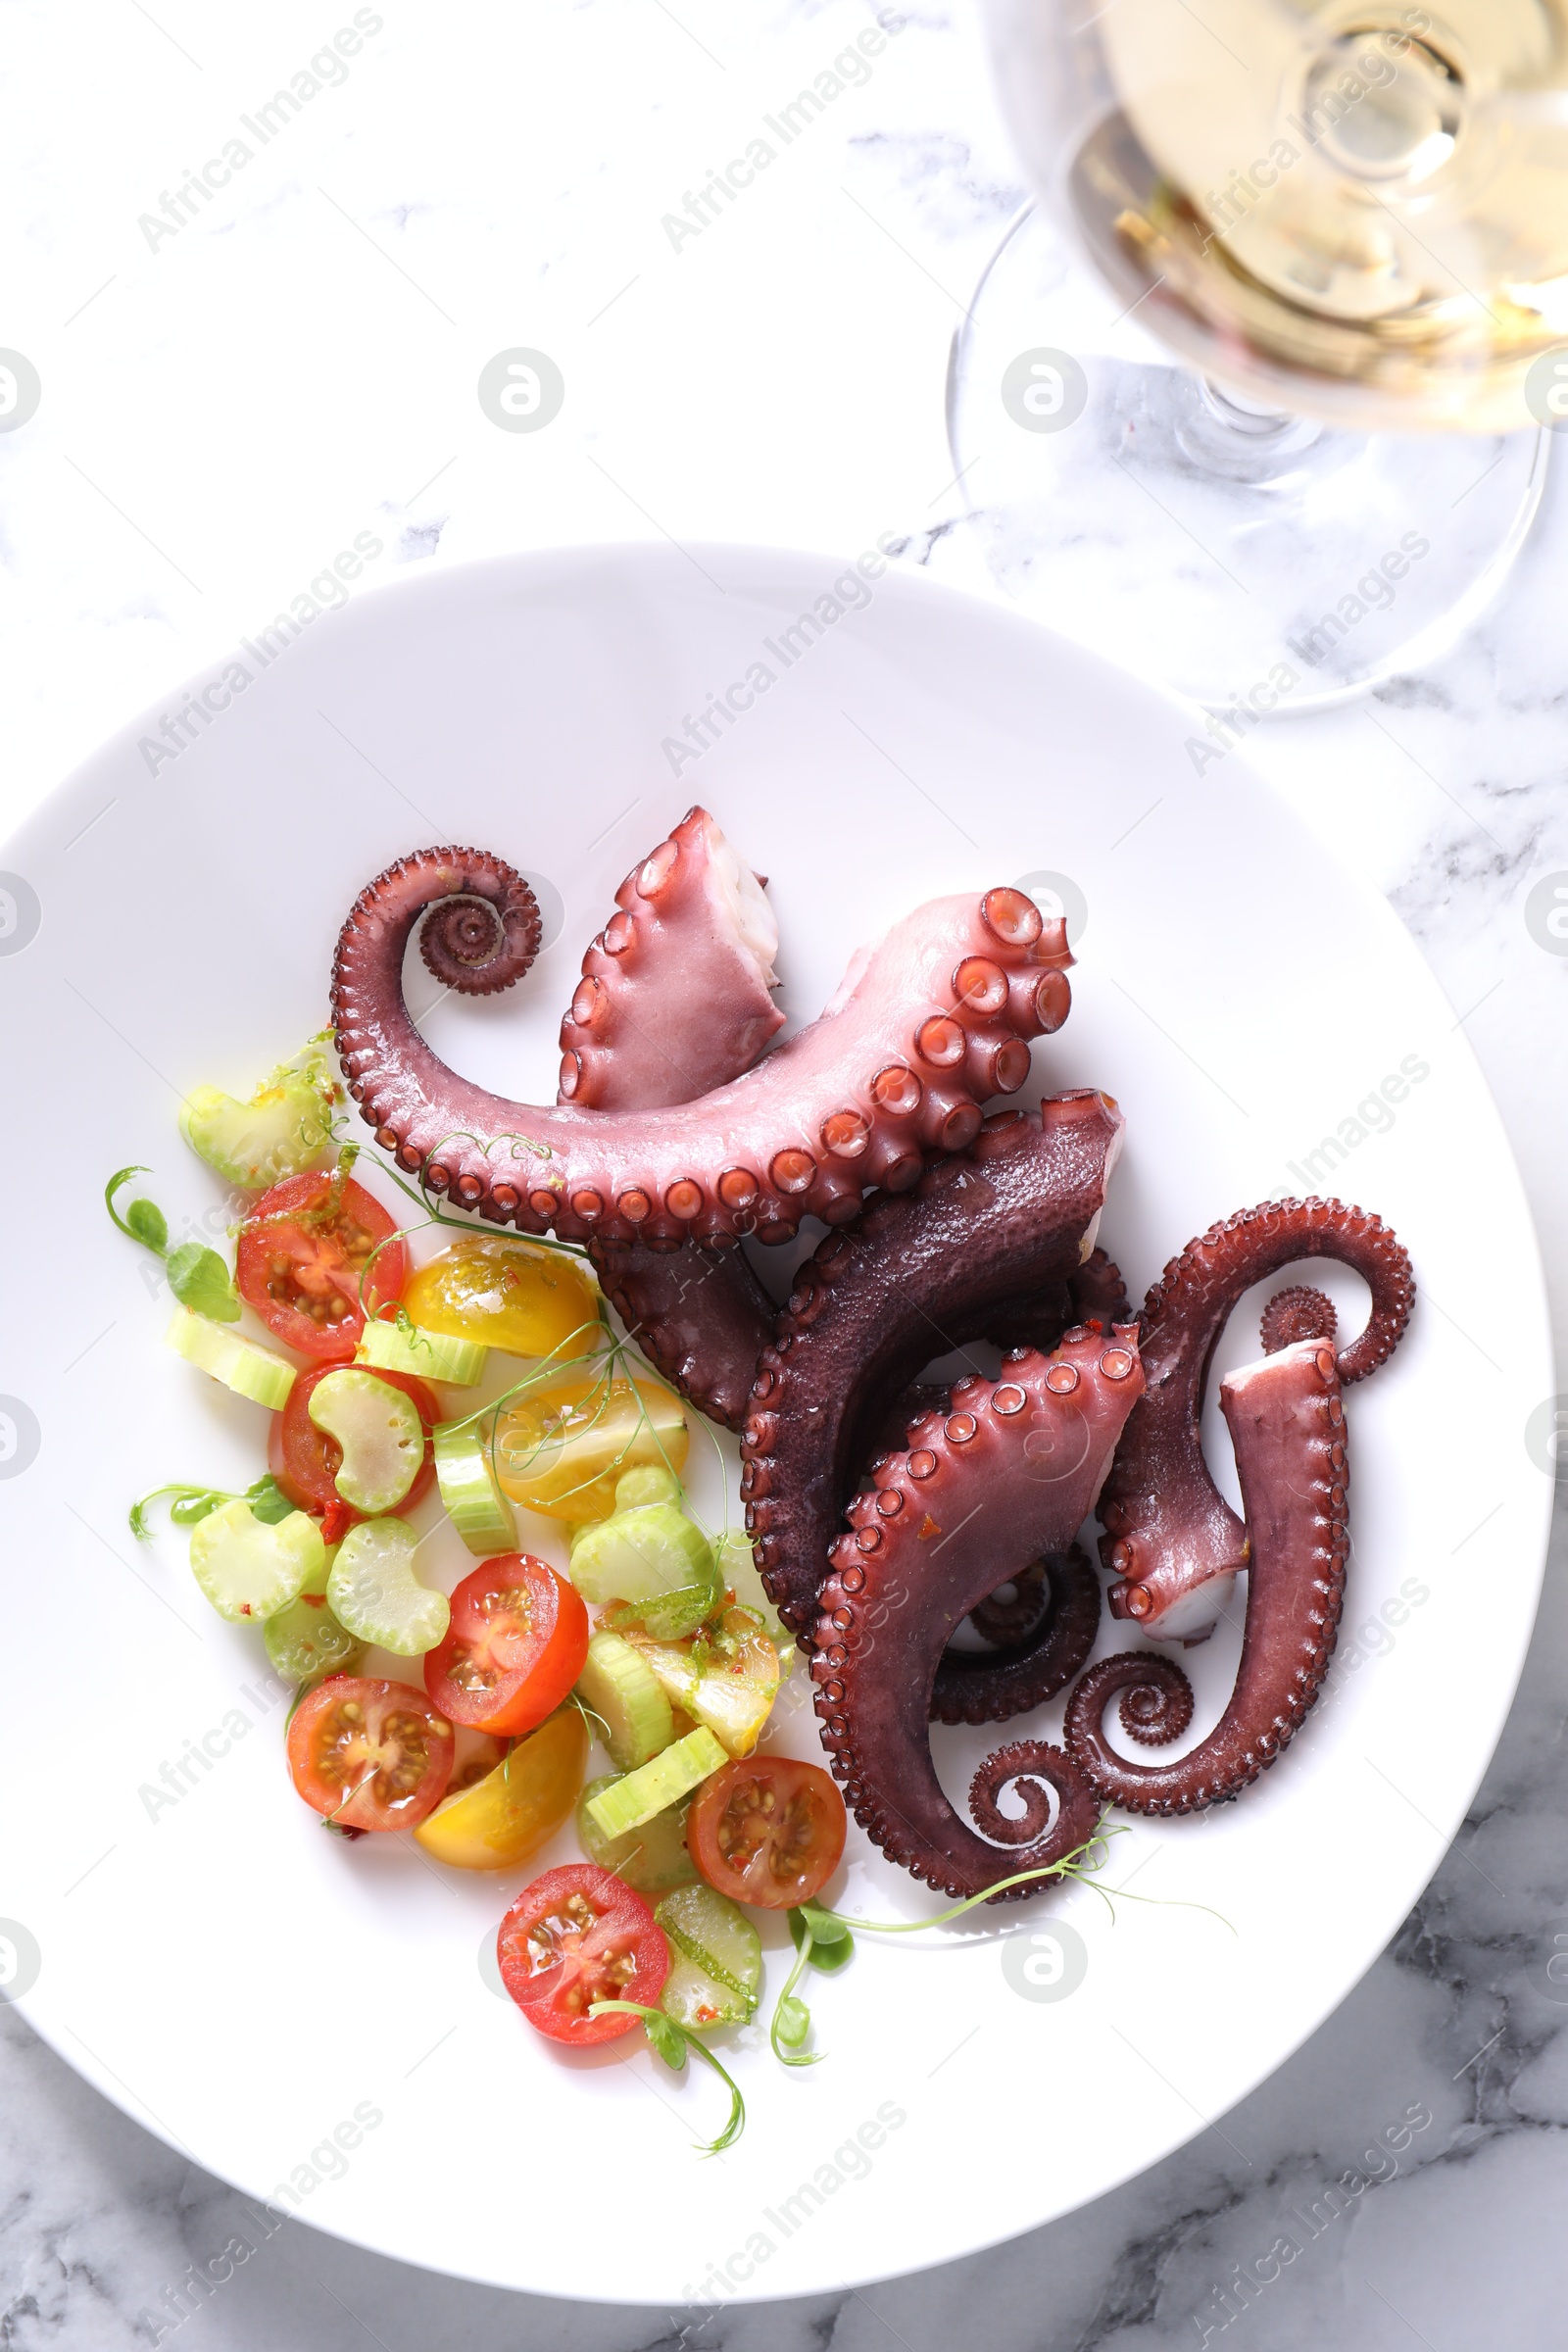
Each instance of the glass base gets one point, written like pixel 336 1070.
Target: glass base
pixel 1244 557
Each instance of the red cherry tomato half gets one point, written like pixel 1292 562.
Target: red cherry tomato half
pixel 304 1460
pixel 766 1830
pixel 578 1935
pixel 516 1643
pixel 302 1251
pixel 369 1755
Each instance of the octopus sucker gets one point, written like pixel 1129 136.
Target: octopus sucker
pixel 1288 1427
pixel 671 1171
pixel 1172 1540
pixel 1010 1474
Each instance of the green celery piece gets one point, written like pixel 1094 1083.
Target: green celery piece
pixel 471 1490
pixel 374 1594
pixel 655 1785
pixel 250 1568
pixel 402 1347
pixel 618 1687
pixel 380 1432
pixel 239 1363
pixel 652 1858
pixel 284 1127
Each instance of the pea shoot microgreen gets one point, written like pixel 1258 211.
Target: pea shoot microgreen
pixel 197 1275
pixel 672 2043
pixel 409 1331
pixel 192 1504
pixel 825 1939
pixel 1072 1865
pixel 821 1941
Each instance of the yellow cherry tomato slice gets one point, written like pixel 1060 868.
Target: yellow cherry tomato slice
pixel 561 1450
pixel 515 1809
pixel 506 1295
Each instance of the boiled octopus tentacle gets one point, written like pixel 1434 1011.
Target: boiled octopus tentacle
pixel 1010 1474
pixel 1033 1660
pixel 1287 1423
pixel 913 1277
pixel 938 1020
pixel 1093 1292
pixel 682 1007
pixel 675 995
pixel 1172 1539
pixel 701 1316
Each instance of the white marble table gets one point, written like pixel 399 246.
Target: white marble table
pixel 233 397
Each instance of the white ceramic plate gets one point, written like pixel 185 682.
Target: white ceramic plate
pixel 248 1986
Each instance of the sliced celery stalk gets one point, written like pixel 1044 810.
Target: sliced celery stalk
pixel 374 1592
pixel 646 1482
pixel 717 1973
pixel 656 1561
pixel 427 1354
pixel 305 1641
pixel 652 1787
pixel 239 1363
pixel 618 1686
pixel 250 1567
pixel 471 1492
pixel 284 1127
pixel 380 1432
pixel 654 1857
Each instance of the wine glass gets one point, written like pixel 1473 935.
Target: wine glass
pixel 1351 222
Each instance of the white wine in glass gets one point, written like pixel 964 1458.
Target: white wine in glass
pixel 1352 223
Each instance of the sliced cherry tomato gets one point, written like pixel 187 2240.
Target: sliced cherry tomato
pixel 302 1251
pixel 369 1755
pixel 766 1830
pixel 304 1460
pixel 578 1935
pixel 516 1643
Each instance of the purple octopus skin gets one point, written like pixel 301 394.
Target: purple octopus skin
pixel 938 1019
pixel 675 995
pixel 1010 1474
pixel 1287 1423
pixel 1039 1639
pixel 1172 1539
pixel 912 1278
pixel 656 1028
pixel 682 1007
pixel 702 1317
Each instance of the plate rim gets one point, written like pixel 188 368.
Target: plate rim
pixel 419 584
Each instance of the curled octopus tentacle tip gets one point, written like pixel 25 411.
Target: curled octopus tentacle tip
pixel 1022 1767
pixel 1298 1313
pixel 939 1019
pixel 1171 1539
pixel 1288 1428
pixel 1043 1636
pixel 1011 1471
